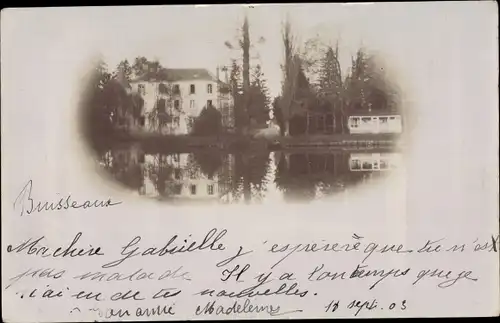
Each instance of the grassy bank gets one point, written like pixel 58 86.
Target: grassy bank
pixel 234 142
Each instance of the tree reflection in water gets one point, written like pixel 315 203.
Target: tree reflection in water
pixel 244 177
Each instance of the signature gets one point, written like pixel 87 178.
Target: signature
pixel 27 205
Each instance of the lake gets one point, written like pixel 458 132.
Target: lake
pixel 250 176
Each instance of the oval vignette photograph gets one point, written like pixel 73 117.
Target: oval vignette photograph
pixel 248 116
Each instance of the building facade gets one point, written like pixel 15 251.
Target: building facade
pixel 174 98
pixel 376 123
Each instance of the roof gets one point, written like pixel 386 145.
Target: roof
pixel 176 74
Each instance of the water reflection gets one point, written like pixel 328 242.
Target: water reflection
pixel 244 177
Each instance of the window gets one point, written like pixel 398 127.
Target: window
pixel 209 88
pixel 177 121
pixel 210 189
pixel 162 88
pixel 209 103
pixel 191 104
pixel 383 119
pixel 177 173
pixel 177 104
pixel 161 105
pixel 177 89
pixel 142 121
pixel 193 189
pixel 191 89
pixel 141 89
pixel 355 164
pixel 367 165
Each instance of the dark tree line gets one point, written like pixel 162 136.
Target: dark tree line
pixel 365 88
pixel 107 104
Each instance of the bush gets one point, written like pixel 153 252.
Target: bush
pixel 209 122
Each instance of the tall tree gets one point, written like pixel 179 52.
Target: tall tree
pixel 258 108
pixel 241 117
pixel 331 88
pixel 330 79
pixel 245 45
pixel 290 71
pixel 359 81
pixel 235 79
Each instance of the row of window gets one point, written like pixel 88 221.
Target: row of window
pixel 355 122
pixel 210 189
pixel 161 104
pixel 162 88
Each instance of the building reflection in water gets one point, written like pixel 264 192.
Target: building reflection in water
pixel 244 177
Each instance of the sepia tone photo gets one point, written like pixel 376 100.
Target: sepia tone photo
pixel 219 162
pixel 295 114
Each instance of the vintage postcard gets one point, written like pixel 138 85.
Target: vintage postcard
pixel 220 162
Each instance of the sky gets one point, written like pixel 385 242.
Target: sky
pixel 194 36
pixel 409 37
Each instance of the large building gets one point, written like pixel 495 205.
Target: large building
pixel 173 98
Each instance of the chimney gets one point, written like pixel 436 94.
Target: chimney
pixel 217 74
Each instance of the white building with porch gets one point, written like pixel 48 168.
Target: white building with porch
pixel 376 123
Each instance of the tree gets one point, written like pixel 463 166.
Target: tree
pixel 208 161
pixel 290 70
pixel 278 115
pixel 235 79
pixel 97 118
pixel 330 79
pixel 241 116
pixel 140 65
pixel 123 69
pixel 245 45
pixel 367 88
pixel 209 122
pixel 258 108
pixel 312 57
pixel 331 88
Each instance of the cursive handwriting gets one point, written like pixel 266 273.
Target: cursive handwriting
pixel 284 289
pixel 137 275
pixel 237 308
pixel 171 247
pixel 27 205
pixel 34 247
pixel 49 273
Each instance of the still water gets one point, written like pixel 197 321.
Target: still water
pixel 212 176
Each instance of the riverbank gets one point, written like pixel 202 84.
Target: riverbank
pixel 234 142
